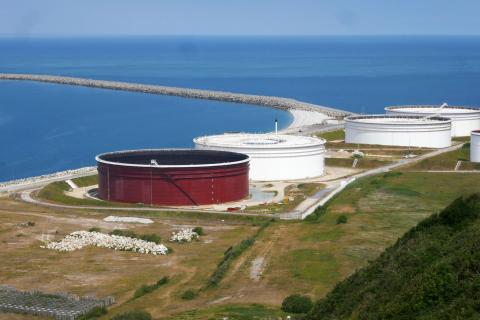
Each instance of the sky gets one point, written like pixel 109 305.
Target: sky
pixel 239 17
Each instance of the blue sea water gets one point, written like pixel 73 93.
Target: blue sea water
pixel 45 127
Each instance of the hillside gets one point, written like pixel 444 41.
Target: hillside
pixel 432 272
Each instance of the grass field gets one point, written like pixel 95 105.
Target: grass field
pixel 447 161
pixel 55 192
pixel 332 135
pixel 86 181
pixel 307 257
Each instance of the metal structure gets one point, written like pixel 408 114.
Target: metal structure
pixel 173 177
pixel 392 130
pixel 273 157
pixel 60 306
pixel 475 146
pixel 464 119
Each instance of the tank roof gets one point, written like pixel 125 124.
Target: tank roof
pixel 396 119
pixel 433 109
pixel 172 158
pixel 259 141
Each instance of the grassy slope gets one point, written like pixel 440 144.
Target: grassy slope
pixel 447 161
pixel 432 272
pixel 86 181
pixel 315 255
pixel 332 135
pixel 55 192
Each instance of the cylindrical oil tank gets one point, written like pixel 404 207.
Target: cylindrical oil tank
pixel 394 130
pixel 464 119
pixel 475 146
pixel 273 157
pixel 178 177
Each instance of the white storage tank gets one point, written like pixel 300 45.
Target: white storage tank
pixel 464 119
pixel 475 146
pixel 392 130
pixel 273 157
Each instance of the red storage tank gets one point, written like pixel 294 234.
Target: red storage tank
pixel 173 177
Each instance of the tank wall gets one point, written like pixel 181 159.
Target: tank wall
pixel 281 163
pixel 462 123
pixel 475 147
pixel 173 186
pixel 426 136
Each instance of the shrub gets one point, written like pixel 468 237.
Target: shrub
pixel 123 233
pixel 144 289
pixel 94 229
pixel 131 234
pixel 133 315
pixel 392 174
pixel 96 312
pixel 342 219
pixel 189 295
pixel 199 231
pixel 151 237
pixel 162 281
pixel 297 304
pixel 231 253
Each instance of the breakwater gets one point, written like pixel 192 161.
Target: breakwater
pixel 266 101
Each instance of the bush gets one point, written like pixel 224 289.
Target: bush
pixel 94 229
pixel 297 304
pixel 162 281
pixel 189 295
pixel 151 237
pixel 96 312
pixel 133 315
pixel 231 253
pixel 199 231
pixel 144 289
pixel 123 233
pixel 131 234
pixel 392 174
pixel 342 219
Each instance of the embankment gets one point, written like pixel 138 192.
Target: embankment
pixel 266 101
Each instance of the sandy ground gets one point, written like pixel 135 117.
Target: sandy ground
pixel 305 118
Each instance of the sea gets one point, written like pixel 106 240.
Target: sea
pixel 47 127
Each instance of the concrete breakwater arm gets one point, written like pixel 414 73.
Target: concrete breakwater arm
pixel 267 101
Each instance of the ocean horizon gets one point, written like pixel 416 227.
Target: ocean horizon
pixel 47 127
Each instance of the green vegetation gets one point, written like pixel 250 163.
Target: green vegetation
pixel 131 234
pixel 145 289
pixel 296 303
pixel 95 313
pixel 95 229
pixel 55 192
pixel 332 135
pixel 231 312
pixel 133 315
pixel 229 256
pixel 414 192
pixel 342 219
pixel 199 231
pixel 447 161
pixel 86 181
pixel 189 295
pixel 430 273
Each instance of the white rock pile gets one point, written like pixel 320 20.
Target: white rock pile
pixel 79 239
pixel 127 219
pixel 184 235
